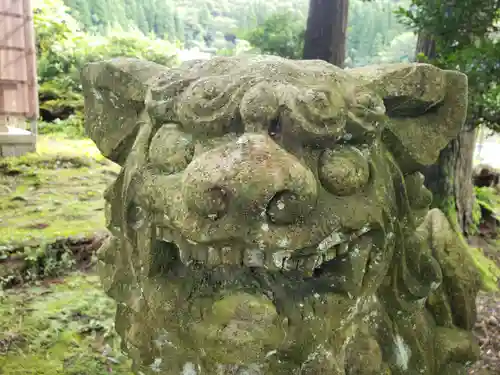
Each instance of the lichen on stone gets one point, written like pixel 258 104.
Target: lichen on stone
pixel 270 217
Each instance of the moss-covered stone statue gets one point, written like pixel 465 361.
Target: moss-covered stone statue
pixel 270 217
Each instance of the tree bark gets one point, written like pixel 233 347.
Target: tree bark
pixel 325 37
pixel 450 180
pixel 426 45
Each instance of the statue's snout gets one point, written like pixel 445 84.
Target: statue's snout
pixel 253 177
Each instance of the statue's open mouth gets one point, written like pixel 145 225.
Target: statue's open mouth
pixel 342 257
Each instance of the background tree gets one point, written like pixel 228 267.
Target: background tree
pixel 401 48
pixel 62 50
pixel 460 35
pixel 206 24
pixel 281 34
pixel 373 34
pixel 372 27
pixel 325 36
pixel 212 26
pixel 80 9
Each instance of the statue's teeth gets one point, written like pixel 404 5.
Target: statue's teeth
pixel 307 265
pixel 185 256
pixel 209 256
pixel 330 254
pixel 343 248
pixel 304 261
pixel 332 240
pixel 280 260
pixel 230 255
pixel 164 234
pixel 213 258
pixel 363 230
pixel 199 255
pixel 253 258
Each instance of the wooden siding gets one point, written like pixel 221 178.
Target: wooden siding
pixel 18 82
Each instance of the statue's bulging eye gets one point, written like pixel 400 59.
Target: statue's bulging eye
pixel 171 150
pixel 343 170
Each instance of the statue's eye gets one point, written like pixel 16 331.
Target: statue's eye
pixel 171 150
pixel 343 170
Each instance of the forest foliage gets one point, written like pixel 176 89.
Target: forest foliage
pixel 63 47
pixel 73 32
pixel 199 22
pixel 274 26
pixel 464 37
pixel 374 34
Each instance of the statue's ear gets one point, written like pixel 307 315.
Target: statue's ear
pixel 426 108
pixel 114 93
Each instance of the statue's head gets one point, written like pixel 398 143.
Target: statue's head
pixel 262 203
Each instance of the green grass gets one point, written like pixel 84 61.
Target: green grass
pixel 62 327
pixel 59 329
pixel 54 193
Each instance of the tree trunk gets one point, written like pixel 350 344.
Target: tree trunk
pixel 325 37
pixel 426 45
pixel 450 180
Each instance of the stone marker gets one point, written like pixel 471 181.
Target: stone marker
pixel 270 217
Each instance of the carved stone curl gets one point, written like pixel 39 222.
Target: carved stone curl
pixel 270 217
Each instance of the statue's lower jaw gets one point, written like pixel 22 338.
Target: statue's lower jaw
pixel 234 319
pixel 252 324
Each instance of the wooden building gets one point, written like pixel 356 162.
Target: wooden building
pixel 18 79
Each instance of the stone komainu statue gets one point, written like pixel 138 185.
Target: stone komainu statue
pixel 270 217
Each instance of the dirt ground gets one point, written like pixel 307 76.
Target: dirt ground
pixel 488 321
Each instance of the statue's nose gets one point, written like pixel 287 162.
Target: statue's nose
pixel 252 177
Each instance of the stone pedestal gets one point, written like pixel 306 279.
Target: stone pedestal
pixel 16 141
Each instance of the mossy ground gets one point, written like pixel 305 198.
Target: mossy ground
pixel 63 326
pixel 54 193
pixel 59 328
pixel 45 198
